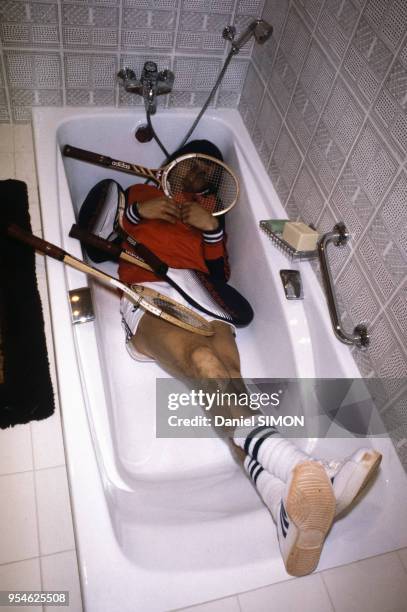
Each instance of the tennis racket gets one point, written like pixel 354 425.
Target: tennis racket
pixel 152 301
pixel 227 304
pixel 191 173
pixel 152 263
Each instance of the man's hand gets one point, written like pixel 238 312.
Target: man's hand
pixel 159 208
pixel 194 214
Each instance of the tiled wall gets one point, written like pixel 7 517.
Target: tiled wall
pixel 325 102
pixel 57 52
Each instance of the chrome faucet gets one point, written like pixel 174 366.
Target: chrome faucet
pixel 150 85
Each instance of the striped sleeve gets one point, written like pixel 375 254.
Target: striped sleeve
pixel 131 214
pixel 213 236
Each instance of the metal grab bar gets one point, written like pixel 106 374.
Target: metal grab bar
pixel 339 236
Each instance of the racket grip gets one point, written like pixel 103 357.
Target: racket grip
pixel 36 243
pixel 87 156
pixel 158 266
pixel 100 243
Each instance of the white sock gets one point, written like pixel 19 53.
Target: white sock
pixel 275 454
pixel 269 487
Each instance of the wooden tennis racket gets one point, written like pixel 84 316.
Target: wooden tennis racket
pixel 146 259
pixel 156 303
pixel 191 173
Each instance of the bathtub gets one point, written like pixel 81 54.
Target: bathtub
pixel 166 523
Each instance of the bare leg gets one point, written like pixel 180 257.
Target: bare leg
pixel 183 353
pixel 309 501
pixel 189 356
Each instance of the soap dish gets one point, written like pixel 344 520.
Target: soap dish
pixel 282 245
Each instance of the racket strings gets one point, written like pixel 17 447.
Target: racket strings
pixel 173 309
pixel 176 310
pixel 205 176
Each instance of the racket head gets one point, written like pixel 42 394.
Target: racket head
pixel 170 310
pixel 197 173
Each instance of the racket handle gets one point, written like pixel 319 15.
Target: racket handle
pixel 158 266
pixel 99 243
pixel 87 156
pixel 36 243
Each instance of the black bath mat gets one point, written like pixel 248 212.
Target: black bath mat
pixel 25 385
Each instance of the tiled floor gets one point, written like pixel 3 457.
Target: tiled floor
pixel 37 548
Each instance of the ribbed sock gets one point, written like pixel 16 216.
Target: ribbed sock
pixel 275 454
pixel 269 487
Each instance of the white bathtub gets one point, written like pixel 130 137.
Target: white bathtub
pixel 167 523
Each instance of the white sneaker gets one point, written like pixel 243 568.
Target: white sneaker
pixel 306 514
pixel 352 475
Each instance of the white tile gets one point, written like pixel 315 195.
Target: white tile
pixel 35 214
pixel 23 138
pixel 307 594
pixel 230 604
pixel 6 139
pixel 18 523
pixel 60 573
pixel 25 171
pixel 403 556
pixel 47 442
pixel 7 167
pixel 54 511
pixel 56 454
pixel 21 576
pixel 378 584
pixel 15 449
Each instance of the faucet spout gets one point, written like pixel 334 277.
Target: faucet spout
pixel 150 85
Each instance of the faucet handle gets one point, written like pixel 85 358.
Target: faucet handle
pixel 126 74
pixel 165 82
pixel 149 70
pixel 229 33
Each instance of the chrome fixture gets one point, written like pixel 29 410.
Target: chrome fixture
pixel 150 85
pixel 290 252
pixel 339 236
pixel 259 28
pixel 81 305
pixel 144 133
pixel 292 284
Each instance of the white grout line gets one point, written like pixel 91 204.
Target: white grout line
pixel 6 85
pixel 61 52
pixel 34 469
pixel 37 520
pixel 118 55
pixel 60 552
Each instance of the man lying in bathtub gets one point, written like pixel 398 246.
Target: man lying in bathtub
pixel 303 494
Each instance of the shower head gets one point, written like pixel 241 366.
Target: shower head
pixel 260 29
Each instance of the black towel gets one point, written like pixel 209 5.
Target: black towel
pixel 25 385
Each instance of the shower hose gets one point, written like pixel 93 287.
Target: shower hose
pixel 198 118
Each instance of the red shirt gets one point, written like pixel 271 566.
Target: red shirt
pixel 177 244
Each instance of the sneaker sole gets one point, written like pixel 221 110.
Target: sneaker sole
pixel 310 505
pixel 364 471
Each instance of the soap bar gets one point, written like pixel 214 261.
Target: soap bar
pixel 300 236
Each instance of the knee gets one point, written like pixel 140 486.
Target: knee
pixel 205 363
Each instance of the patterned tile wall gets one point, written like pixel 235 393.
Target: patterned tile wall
pixel 67 52
pixel 325 102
